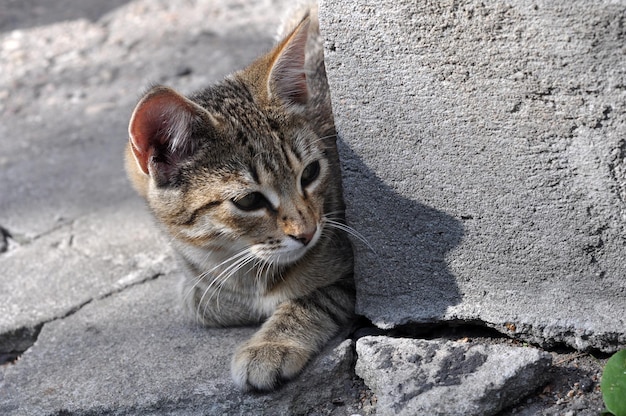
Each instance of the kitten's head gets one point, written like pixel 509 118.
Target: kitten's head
pixel 241 166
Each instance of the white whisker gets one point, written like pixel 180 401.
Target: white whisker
pixel 310 144
pixel 218 281
pixel 351 231
pixel 329 215
pixel 216 292
pixel 205 273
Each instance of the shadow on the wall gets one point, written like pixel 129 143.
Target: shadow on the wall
pixel 23 14
pixel 405 278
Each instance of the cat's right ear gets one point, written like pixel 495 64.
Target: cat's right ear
pixel 160 131
pixel 287 76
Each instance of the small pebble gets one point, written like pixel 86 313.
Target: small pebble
pixel 337 402
pixel 586 385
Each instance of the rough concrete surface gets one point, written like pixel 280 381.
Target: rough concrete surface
pixel 420 377
pixel 131 354
pixel 89 315
pixel 56 273
pixel 483 146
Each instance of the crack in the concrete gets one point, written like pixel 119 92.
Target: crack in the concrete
pixel 23 239
pixel 524 334
pixel 15 342
pixel 62 223
pixel 23 338
pixel 7 236
pixel 4 239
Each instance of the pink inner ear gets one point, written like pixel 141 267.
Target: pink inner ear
pixel 161 120
pixel 288 78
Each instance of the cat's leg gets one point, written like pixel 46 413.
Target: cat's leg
pixel 296 331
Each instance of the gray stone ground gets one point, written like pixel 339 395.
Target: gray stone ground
pixel 419 377
pixel 89 318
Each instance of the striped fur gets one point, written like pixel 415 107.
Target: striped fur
pixel 244 176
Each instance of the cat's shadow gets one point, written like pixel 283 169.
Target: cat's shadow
pixel 403 277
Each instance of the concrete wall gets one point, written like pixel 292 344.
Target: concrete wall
pixel 483 145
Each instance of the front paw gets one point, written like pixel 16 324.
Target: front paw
pixel 263 365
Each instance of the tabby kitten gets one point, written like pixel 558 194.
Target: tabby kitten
pixel 244 177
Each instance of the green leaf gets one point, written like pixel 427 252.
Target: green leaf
pixel 613 384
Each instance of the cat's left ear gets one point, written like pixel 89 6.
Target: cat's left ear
pixel 287 76
pixel 160 131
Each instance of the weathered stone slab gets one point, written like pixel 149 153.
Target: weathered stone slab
pixel 483 146
pixel 133 353
pixel 419 377
pixel 92 257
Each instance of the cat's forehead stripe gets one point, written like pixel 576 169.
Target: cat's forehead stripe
pixel 254 173
pixel 290 156
pixel 295 151
pixel 267 165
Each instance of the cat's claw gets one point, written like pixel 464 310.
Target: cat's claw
pixel 263 366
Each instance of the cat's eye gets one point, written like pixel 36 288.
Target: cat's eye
pixel 309 174
pixel 251 202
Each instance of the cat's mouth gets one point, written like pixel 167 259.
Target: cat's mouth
pixel 287 251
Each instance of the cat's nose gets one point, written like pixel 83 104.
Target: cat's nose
pixel 304 237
